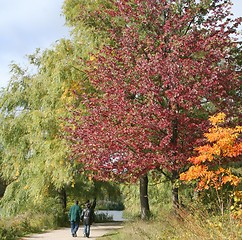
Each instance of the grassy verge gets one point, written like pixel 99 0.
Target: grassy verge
pixel 17 227
pixel 187 226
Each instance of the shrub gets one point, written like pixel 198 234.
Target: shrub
pixel 109 205
pixel 31 222
pixel 103 217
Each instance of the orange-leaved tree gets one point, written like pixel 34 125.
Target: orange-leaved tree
pixel 211 166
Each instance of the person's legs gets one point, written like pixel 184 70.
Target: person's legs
pixel 88 230
pixel 85 230
pixel 76 228
pixel 72 228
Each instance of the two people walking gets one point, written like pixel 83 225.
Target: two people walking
pixel 76 214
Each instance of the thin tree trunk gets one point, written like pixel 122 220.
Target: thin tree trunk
pixel 175 199
pixel 144 200
pixel 175 175
pixel 175 191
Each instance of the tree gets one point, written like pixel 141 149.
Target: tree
pixel 88 24
pixel 162 74
pixel 33 154
pixel 211 167
pixel 35 159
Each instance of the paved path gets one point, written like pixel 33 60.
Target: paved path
pixel 97 230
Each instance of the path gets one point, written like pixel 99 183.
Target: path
pixel 97 230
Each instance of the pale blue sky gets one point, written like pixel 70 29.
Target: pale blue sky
pixel 26 25
pixel 29 24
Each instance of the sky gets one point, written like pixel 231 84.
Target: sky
pixel 26 25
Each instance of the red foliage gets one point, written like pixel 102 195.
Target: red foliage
pixel 154 80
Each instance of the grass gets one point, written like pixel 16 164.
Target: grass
pixel 188 226
pixel 21 225
pixel 34 222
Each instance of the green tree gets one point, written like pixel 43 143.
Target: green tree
pixel 35 161
pixel 33 156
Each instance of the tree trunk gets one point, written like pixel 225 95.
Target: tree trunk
pixel 175 199
pixel 175 174
pixel 63 198
pixel 175 191
pixel 144 200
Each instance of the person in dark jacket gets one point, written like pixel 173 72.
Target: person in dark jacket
pixel 87 217
pixel 75 218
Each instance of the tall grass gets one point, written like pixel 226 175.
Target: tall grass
pixel 16 227
pixel 192 225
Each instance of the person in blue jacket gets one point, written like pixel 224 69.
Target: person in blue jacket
pixel 75 218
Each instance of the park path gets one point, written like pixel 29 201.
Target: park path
pixel 97 230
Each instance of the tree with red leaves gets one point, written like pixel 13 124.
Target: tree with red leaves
pixel 166 69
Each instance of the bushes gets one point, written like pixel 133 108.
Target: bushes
pixel 103 217
pixel 13 228
pixel 109 205
pixel 8 234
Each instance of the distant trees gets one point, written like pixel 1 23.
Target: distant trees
pixel 165 68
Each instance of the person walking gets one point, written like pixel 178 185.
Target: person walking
pixel 87 218
pixel 75 218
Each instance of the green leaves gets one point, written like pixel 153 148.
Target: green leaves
pixel 34 157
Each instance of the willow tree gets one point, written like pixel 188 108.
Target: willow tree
pixel 165 70
pixel 35 161
pixel 33 154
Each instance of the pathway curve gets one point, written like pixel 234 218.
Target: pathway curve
pixel 97 230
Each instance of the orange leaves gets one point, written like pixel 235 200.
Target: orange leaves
pixel 233 180
pixel 194 172
pixel 206 154
pixel 208 178
pixel 223 143
pixel 216 119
